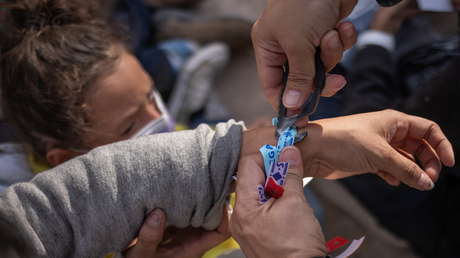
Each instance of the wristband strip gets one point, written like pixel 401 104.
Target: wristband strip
pixel 275 172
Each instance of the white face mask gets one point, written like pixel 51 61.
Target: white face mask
pixel 163 124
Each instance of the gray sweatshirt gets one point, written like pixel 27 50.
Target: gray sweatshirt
pixel 96 203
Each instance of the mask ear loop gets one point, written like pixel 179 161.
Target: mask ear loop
pixel 159 103
pixel 155 97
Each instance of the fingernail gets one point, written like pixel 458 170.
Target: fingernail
pixel 155 218
pixel 425 182
pixel 290 155
pixel 291 98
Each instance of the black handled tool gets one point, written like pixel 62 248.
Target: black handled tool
pixel 284 121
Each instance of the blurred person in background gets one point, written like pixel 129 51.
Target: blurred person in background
pixel 424 81
pixel 183 51
pixel 405 46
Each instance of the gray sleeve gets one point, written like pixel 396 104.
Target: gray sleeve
pixel 95 204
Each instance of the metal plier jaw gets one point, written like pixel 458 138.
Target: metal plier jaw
pixel 284 121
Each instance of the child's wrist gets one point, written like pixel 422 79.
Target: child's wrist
pixel 254 139
pixel 310 146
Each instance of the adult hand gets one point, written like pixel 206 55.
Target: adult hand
pixel 157 242
pixel 390 19
pixel 289 31
pixel 396 146
pixel 284 227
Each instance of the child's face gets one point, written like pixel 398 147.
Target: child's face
pixel 120 104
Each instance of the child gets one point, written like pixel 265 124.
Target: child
pixel 70 85
pixel 82 87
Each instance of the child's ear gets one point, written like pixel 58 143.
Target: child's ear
pixel 58 156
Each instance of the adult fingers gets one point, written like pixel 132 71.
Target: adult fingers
pixel 293 182
pixel 331 49
pixel 334 83
pixel 391 180
pixel 420 128
pixel 348 34
pixel 270 60
pixel 250 175
pixel 273 84
pixel 335 42
pixel 150 236
pixel 224 225
pixel 271 77
pixel 301 58
pixel 403 169
pixel 425 155
pixel 300 78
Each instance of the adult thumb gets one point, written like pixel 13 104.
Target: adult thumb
pixel 293 182
pixel 300 79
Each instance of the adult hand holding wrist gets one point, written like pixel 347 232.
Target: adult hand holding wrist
pixel 395 146
pixel 391 144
